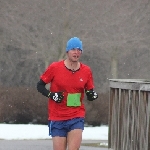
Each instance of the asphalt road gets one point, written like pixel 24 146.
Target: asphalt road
pixel 36 145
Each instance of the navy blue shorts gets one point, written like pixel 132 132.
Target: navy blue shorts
pixel 61 128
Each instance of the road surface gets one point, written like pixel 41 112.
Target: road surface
pixel 37 145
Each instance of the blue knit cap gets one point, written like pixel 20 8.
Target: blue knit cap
pixel 74 42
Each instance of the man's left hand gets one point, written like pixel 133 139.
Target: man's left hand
pixel 91 95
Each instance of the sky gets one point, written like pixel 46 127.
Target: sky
pixel 36 132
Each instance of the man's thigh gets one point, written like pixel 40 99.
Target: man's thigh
pixel 59 143
pixel 74 139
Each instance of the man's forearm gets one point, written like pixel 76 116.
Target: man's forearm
pixel 42 89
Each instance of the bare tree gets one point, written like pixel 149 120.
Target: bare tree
pixel 39 30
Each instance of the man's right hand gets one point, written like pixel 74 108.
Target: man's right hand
pixel 56 96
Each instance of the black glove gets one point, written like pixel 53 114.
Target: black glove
pixel 91 95
pixel 56 96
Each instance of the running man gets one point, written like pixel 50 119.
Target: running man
pixel 69 79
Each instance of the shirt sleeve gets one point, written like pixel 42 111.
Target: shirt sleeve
pixel 48 75
pixel 90 83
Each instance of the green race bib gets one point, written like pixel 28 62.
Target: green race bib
pixel 74 99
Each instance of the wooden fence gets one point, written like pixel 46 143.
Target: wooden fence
pixel 129 113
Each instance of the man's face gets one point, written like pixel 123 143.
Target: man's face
pixel 74 54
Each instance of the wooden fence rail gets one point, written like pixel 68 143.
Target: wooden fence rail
pixel 129 113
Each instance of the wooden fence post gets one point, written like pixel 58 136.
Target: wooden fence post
pixel 129 113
